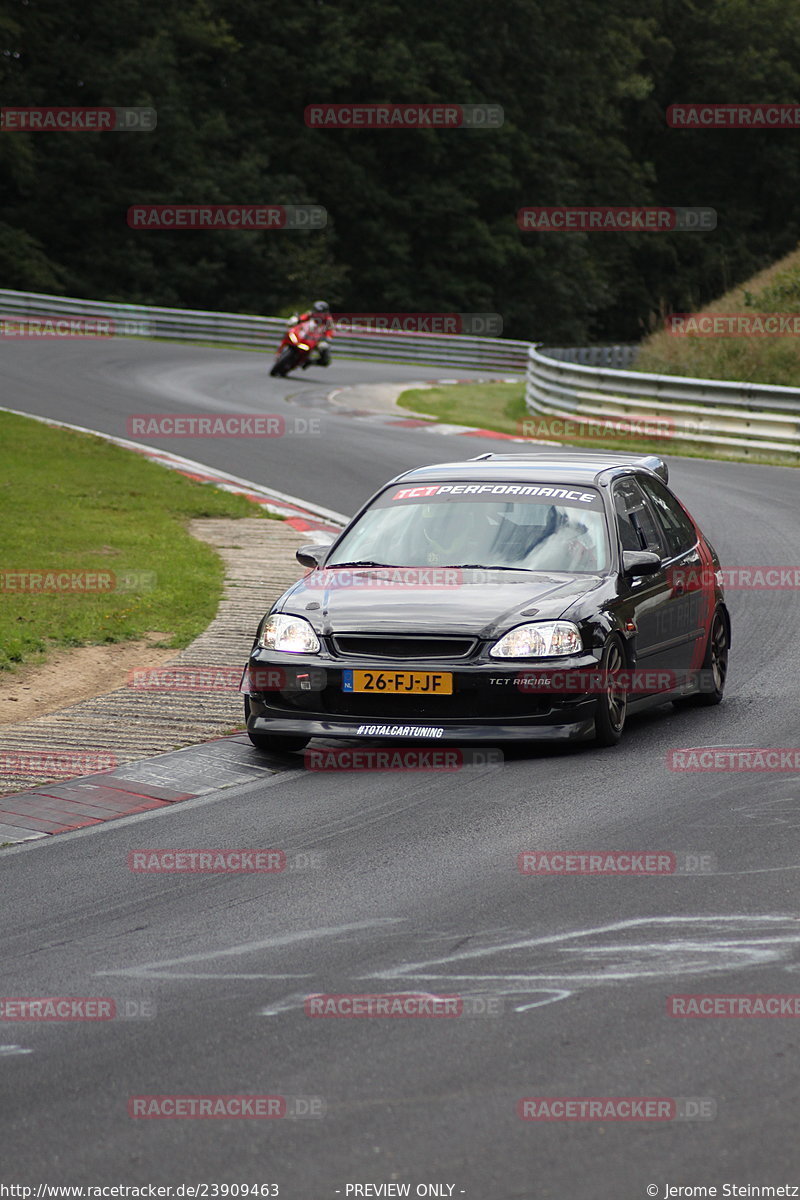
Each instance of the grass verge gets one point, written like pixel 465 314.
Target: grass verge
pixel 753 358
pixel 501 406
pixel 72 503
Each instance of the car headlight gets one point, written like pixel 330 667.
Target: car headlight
pixel 292 635
pixel 539 639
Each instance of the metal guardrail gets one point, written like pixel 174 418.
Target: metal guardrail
pixel 742 416
pixel 588 385
pixel 233 329
pixel 593 356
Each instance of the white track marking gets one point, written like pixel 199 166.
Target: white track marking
pixel 711 944
pixel 549 997
pixel 140 973
pixel 710 947
pixel 287 1004
pixel 298 999
pixel 160 969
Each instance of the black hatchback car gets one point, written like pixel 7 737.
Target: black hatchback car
pixel 528 596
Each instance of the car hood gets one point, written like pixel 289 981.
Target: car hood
pixel 478 603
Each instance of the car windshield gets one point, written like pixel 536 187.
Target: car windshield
pixel 533 527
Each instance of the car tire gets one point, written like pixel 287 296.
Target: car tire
pixel 715 666
pixel 612 703
pixel 273 743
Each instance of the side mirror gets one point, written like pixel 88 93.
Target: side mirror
pixel 640 562
pixel 311 556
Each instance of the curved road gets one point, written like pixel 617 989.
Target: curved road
pixel 416 888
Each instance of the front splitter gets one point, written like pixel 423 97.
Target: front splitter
pixel 579 728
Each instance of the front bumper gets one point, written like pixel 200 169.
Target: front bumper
pixel 304 697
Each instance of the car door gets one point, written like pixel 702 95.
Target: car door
pixel 650 601
pixel 686 571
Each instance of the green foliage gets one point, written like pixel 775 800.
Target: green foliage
pixel 782 294
pixel 754 359
pixel 418 220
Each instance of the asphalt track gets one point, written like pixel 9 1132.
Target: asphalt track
pixel 416 889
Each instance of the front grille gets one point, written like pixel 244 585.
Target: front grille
pixel 378 645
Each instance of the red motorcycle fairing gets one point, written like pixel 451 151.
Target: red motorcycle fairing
pixel 297 345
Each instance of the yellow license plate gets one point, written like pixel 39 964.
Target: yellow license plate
pixel 418 683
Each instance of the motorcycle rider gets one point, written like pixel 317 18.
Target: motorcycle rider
pixel 320 314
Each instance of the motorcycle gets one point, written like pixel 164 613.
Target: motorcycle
pixel 299 346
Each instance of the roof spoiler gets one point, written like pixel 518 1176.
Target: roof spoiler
pixel 651 461
pixel 656 465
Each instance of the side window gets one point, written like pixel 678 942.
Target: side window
pixel 629 539
pixel 637 526
pixel 680 532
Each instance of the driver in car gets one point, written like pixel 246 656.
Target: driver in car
pixel 453 536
